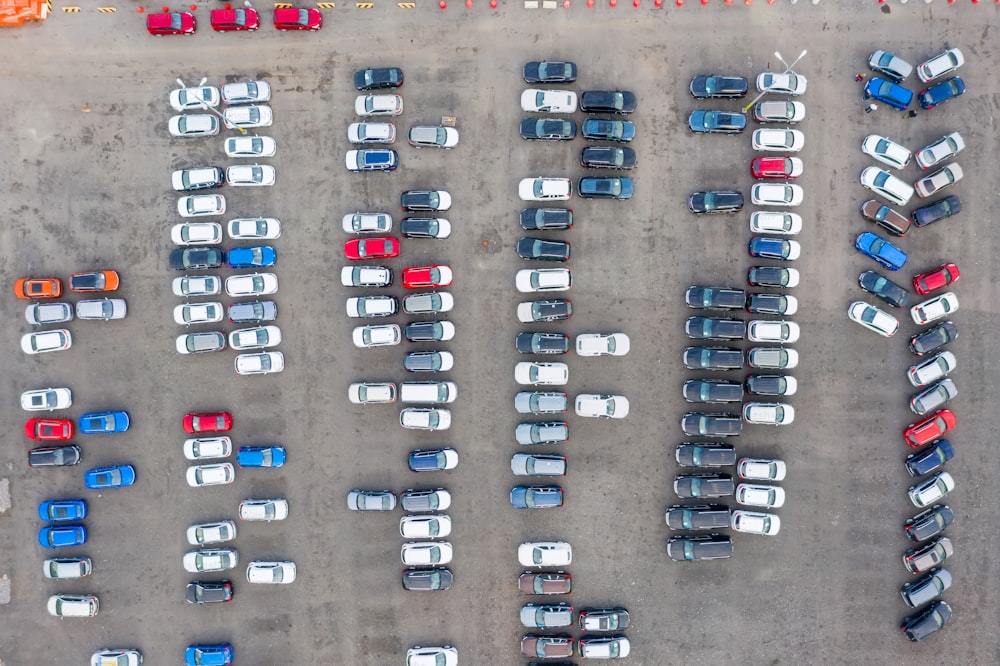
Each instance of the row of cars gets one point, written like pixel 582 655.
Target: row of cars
pixel 233 20
pixel 48 312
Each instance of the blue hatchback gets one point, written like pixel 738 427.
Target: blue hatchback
pixel 889 93
pixel 99 423
pixel 116 476
pixel 606 188
pixel 60 511
pixel 62 536
pixel 260 456
pixel 220 654
pixel 722 122
pixel 536 497
pixel 252 257
pixel 941 92
pixel 881 250
pixel 930 458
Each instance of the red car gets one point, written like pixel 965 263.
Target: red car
pixel 224 20
pixel 298 18
pixel 936 279
pixel 383 247
pixel 776 167
pixel 208 422
pixel 172 23
pixel 419 277
pixel 31 288
pixel 54 430
pixel 933 427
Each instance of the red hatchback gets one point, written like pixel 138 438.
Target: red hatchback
pixel 224 20
pixel 776 167
pixel 383 247
pixel 933 427
pixel 208 422
pixel 53 430
pixel 298 18
pixel 173 23
pixel 936 279
pixel 419 277
pixel 31 288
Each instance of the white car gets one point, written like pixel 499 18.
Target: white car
pixel 250 175
pixel 254 228
pixel 545 189
pixel 197 343
pixel 426 553
pixel 425 418
pixel 272 573
pixel 378 105
pixel 371 306
pixel 937 181
pixel 788 83
pixel 545 554
pixel 376 336
pixel 196 205
pixel 61 568
pixel 751 522
pixel 102 309
pixel 931 490
pixel 248 117
pixel 202 534
pixel 39 400
pixel 207 561
pixel 926 372
pixel 185 99
pixel 371 393
pixel 776 194
pixel 886 151
pixel 941 64
pixel 246 92
pixel 425 527
pixel 548 101
pixel 116 657
pixel 257 337
pixel 761 469
pixel 768 222
pixel 887 186
pixel 432 656
pixel 206 448
pixel 873 318
pixel 197 285
pixel 263 509
pixel 196 233
pixel 934 308
pixel 602 406
pixel 543 279
pixel 250 146
pixel 535 374
pixel 217 474
pixel 371 133
pixel 750 494
pixel 781 332
pixel 602 344
pixel 39 314
pixel 943 149
pixel 197 178
pixel 255 284
pixel 604 647
pixel 46 341
pixel 782 140
pixel 365 276
pixel 260 363
pixel 193 125
pixel 198 313
pixel 367 223
pixel 768 413
pixel 437 301
pixel 779 112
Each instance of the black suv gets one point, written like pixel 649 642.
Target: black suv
pixel 545 250
pixel 548 129
pixel 713 358
pixel 698 517
pixel 705 454
pixel 543 219
pixel 381 77
pixel 607 157
pixel 715 201
pixel 703 485
pixel 933 338
pixel 700 547
pixel 719 298
pixel 183 259
pixel 712 390
pixel 714 85
pixel 711 425
pixel 713 328
pixel 541 343
pixel 607 101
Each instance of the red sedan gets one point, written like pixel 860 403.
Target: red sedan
pixel 933 427
pixel 298 18
pixel 172 23
pixel 383 247
pixel 419 277
pixel 776 167
pixel 208 422
pixel 55 430
pixel 224 20
pixel 936 279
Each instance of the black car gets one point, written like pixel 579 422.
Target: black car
pixel 424 331
pixel 423 227
pixel 548 129
pixel 884 288
pixel 711 425
pixel 607 157
pixel 698 517
pixel 920 626
pixel 716 122
pixel 550 71
pixel 714 85
pixel 772 276
pixel 713 358
pixel 430 580
pixel 929 458
pixel 705 454
pixel 606 188
pixel 607 101
pixel 252 312
pixel 715 201
pixel 429 361
pixel 935 211
pixel 703 484
pixel 716 298
pixel 209 592
pixel 380 77
pixel 700 547
pixel 774 304
pixel 770 385
pixel 541 343
pixel 712 390
pixel 545 250
pixel 422 200
pixel 933 338
pixel 598 129
pixel 54 456
pixel 183 259
pixel 713 328
pixel 928 523
pixel 544 219
pixel 556 309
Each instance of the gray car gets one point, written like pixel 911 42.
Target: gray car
pixel 102 309
pixel 48 313
pixel 930 398
pixel 929 586
pixel 698 517
pixel 703 485
pixel 371 500
pixel 541 402
pixel 425 500
pixel 711 425
pixel 551 432
pixel 524 464
pixel 546 616
pixel 427 580
pixel 429 361
pixel 253 312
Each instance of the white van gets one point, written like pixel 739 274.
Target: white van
pixel 428 392
pixel 74 605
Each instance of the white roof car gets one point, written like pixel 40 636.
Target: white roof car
pixel 432 136
pixel 370 393
pixel 533 374
pixel 426 553
pixel 193 124
pixel 256 337
pixel 263 509
pixel 273 573
pixel 545 189
pixel 73 605
pixel 203 534
pixel 250 175
pixel 873 318
pixel 934 308
pixel 371 133
pixel 779 112
pixel 250 146
pixel 48 313
pixel 246 92
pixel 547 616
pixel 548 101
pixel 203 341
pixel 185 99
pixel 887 186
pixel 197 285
pixel 602 406
pixel 61 568
pixel 776 194
pixel 205 561
pixel 788 83
pixel 761 469
pixel 48 399
pixel 378 105
pixel 770 222
pixel 424 527
pixel 778 358
pixel 543 279
pixel 367 223
pixel 437 301
pixel 254 284
pixel 425 418
pixel 752 522
pixel 196 178
pixel 210 475
pixel 604 647
pixel 102 309
pixel 196 233
pixel 783 140
pixel 432 656
pixel 208 447
pixel 602 344
pixel 248 116
pixel 926 372
pixel 750 494
pixel 46 341
pixel 538 464
pixel 931 490
pixel 365 276
pixel 260 363
pixel 943 149
pixel 886 151
pixel 376 336
pixel 760 330
pixel 116 657
pixel 544 554
pixel 768 413
pixel 371 306
pixel 254 228
pixel 195 205
pixel 947 175
pixel 939 65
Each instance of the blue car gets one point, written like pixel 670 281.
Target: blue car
pixel 60 511
pixel 774 248
pixel 888 92
pixel 260 456
pixel 606 188
pixel 929 458
pixel 536 497
pixel 721 122
pixel 100 423
pixel 881 250
pixel 252 257
pixel 116 476
pixel 602 129
pixel 62 536
pixel 941 92
pixel 220 654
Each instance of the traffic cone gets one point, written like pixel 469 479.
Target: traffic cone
pixel 659 3
pixel 443 4
pixel 468 4
pixel 635 3
pixel 493 4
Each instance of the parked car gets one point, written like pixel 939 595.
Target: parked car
pixel 715 201
pixel 776 167
pixel 202 342
pixel 537 464
pixel 62 536
pixel 697 517
pixel 210 560
pixel 48 399
pixel 210 475
pixel 716 85
pixel 371 500
pixel 761 469
pixel 378 105
pixel 606 188
pixel 719 122
pixel 432 460
pixel 170 23
pixel 536 497
pixel 937 278
pixel 888 93
pixel 547 647
pixel 207 592
pixel 249 146
pixel 772 358
pixel 714 328
pixel 884 288
pixel 46 341
pixel 887 186
pixel 424 527
pixel 196 257
pixel 607 157
pixel 541 343
pixel 605 129
pixel 711 425
pixel 712 358
pixel 261 456
pixel 544 219
pixel 873 318
pixel 48 430
pixel 432 136
pixel 432 656
pixel 779 112
pixel 54 456
pixel 432 200
pixel 933 397
pixel 541 402
pixel 933 369
pixel 225 20
pixel 534 100
pixel 947 175
pixel 115 476
pixel 549 71
pixel 722 298
pixel 429 331
pixel 545 189
pixel 263 509
pixel 186 99
pixel 546 616
pixel 774 248
pixel 431 302
pixel 890 66
pixel 768 413
pixel 425 227
pixel 787 83
pixel 425 500
pixel 754 522
pixel 767 222
pixel 549 432
pixel 104 309
pixel 62 568
pixel 936 210
pixel 32 288
pixel 427 580
pixel 702 485
pixel 940 151
pixel 260 256
pixel 198 422
pixel 928 523
pixel 198 205
pixel 556 309
pixel 712 391
pixel 271 573
pixel 943 63
pixel 926 588
pixel 607 101
pixel 259 363
pixel 209 533
pixel 929 458
pixel 933 338
pixel 771 385
pixel 772 276
pixel 923 624
pixel 544 584
pixel 886 151
pixel 197 178
pixel 73 605
pixel 882 251
pixel 695 547
pixel 544 554
pixel 922 558
pixel 602 406
pixel 604 647
pixel 752 494
pixel 425 418
pixel 941 92
pixel 220 653
pixel 101 423
pixel 704 454
pixel 367 393
pixel 254 284
pixel 778 140
pixel 931 490
pixel 374 78
pixel 193 125
pixel 371 159
pixel 367 223
pixel 420 277
pixel 371 133
pixel 782 332
pixel 933 427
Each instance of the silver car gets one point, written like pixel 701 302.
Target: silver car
pixel 933 397
pixel 205 561
pixel 524 464
pixel 102 309
pixel 39 314
pixel 67 567
pixel 203 534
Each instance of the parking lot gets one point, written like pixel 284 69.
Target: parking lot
pixel 87 186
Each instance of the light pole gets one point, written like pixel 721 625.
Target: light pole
pixel 788 68
pixel 205 105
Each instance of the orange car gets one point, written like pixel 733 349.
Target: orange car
pixel 94 281
pixel 32 288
